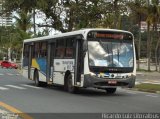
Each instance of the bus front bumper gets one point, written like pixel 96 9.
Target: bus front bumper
pixel 93 81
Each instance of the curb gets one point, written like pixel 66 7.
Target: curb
pixel 146 90
pixel 148 82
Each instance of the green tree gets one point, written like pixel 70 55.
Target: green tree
pixel 23 21
pixel 20 31
pixel 18 5
pixel 137 13
pixel 152 20
pixel 155 17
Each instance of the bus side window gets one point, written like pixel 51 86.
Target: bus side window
pixel 25 55
pixel 26 51
pixel 60 48
pixel 43 52
pixel 60 52
pixel 36 50
pixel 40 50
pixel 69 52
pixel 69 48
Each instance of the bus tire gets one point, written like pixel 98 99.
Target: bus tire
pixel 36 79
pixel 111 90
pixel 70 87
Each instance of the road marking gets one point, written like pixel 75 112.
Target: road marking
pixel 13 86
pixel 16 111
pixel 130 92
pixel 2 111
pixel 3 88
pixel 10 74
pixel 31 86
pixel 154 96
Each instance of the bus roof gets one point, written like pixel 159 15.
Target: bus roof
pixel 82 31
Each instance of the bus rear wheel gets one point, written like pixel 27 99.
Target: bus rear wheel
pixel 69 85
pixel 111 90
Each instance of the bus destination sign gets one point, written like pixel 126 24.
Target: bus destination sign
pixel 110 35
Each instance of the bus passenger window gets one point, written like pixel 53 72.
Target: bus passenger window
pixel 69 48
pixel 36 50
pixel 60 48
pixel 69 52
pixel 26 51
pixel 60 52
pixel 40 50
pixel 44 50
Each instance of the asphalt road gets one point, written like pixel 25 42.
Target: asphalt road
pixel 19 92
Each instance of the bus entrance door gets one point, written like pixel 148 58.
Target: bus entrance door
pixel 50 67
pixel 78 61
pixel 30 53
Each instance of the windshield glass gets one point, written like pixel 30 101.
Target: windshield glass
pixel 106 53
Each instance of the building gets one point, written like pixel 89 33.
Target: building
pixel 5 18
pixel 144 26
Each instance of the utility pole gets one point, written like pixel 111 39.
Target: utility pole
pixel 139 44
pixel 9 54
pixel 148 40
pixel 34 21
pixel 2 14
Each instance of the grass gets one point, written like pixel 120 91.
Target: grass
pixel 144 70
pixel 148 87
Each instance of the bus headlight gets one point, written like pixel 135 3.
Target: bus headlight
pixel 92 74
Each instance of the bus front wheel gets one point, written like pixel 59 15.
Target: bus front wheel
pixel 110 90
pixel 36 79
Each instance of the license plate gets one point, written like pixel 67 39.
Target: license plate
pixel 112 82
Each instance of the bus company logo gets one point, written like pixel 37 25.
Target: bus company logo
pixel 68 62
pixel 57 63
pixel 112 69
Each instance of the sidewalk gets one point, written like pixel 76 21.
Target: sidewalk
pixel 148 77
pixel 4 114
pixel 152 77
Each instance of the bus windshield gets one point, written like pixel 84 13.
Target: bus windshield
pixel 110 53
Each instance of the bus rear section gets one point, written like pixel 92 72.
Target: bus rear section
pixel 110 60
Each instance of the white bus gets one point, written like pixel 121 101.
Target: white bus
pixel 98 58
